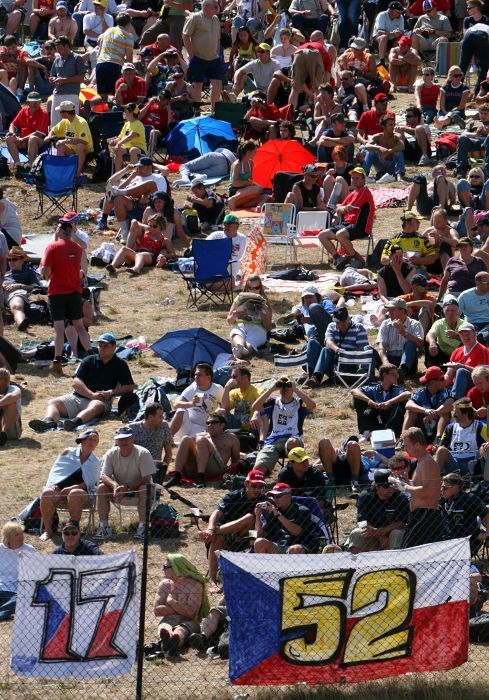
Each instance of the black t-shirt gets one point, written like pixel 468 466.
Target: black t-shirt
pixel 207 215
pixel 309 197
pixel 313 484
pixel 379 513
pixel 100 376
pixel 71 480
pixel 84 548
pixel 461 513
pixel 235 505
pixel 390 278
pixel 327 151
pixel 299 515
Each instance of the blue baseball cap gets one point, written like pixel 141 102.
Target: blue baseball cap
pixel 106 338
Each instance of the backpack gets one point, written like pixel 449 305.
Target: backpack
pixel 31 517
pixel 164 521
pixel 103 166
pixel 38 312
pixel 4 169
pixel 152 392
pixel 295 273
pixel 373 260
pixel 191 221
pixel 37 174
pixel 445 145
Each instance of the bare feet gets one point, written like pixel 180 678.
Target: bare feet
pixel 46 536
pixel 215 587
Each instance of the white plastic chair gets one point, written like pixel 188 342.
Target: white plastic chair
pixel 311 221
pixel 277 222
pixel 131 503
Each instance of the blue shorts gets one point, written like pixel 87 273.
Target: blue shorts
pixel 199 70
pixel 106 74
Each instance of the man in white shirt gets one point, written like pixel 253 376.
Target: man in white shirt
pixel 126 471
pixel 132 183
pixel 96 23
pixel 389 26
pixel 230 230
pixel 84 7
pixel 198 400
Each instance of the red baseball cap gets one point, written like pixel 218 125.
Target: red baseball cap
pixel 405 40
pixel 70 216
pixel 381 97
pixel 255 476
pixel 279 489
pixel 432 373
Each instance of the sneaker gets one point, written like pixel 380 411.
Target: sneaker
pixel 386 179
pixel 370 180
pixel 173 480
pixel 101 224
pixel 198 641
pixel 139 534
pixel 355 487
pixel 42 426
pixel 111 270
pixel 313 382
pixel 200 481
pixel 104 532
pixel 424 160
pixel 240 352
pixel 57 367
pixel 3 437
pixel 70 424
pixel 341 261
pixel 182 182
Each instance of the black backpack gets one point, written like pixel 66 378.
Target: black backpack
pixel 37 174
pixel 4 169
pixel 103 166
pixel 373 260
pixel 37 311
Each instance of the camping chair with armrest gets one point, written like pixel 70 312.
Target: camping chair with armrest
pixel 283 363
pixel 210 279
pixel 232 112
pixel 131 503
pixel 311 221
pixel 59 184
pixel 277 222
pixel 353 369
pixel 317 518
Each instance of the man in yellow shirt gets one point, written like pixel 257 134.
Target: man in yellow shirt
pixel 72 134
pixel 416 250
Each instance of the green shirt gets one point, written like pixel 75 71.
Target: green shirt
pixel 439 331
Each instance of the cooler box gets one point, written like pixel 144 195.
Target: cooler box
pixel 383 441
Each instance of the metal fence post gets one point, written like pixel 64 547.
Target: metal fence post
pixel 142 608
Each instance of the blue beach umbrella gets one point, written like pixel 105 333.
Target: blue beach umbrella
pixel 184 348
pixel 199 136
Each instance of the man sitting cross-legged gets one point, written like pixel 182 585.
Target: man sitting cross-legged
pixel 234 516
pixel 97 380
pixel 72 481
pixel 206 454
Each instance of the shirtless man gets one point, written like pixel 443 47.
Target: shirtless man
pixel 62 24
pixel 178 602
pixel 385 151
pixel 206 454
pixel 425 522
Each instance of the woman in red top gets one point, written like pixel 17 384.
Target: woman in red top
pixel 148 247
pixel 427 94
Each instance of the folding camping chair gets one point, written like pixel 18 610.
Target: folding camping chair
pixel 317 517
pixel 353 369
pixel 286 362
pixel 131 503
pixel 277 223
pixel 211 278
pixel 58 184
pixel 232 112
pixel 311 221
pixel 448 53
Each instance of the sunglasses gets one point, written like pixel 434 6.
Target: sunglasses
pixel 457 75
pixel 70 533
pixel 167 566
pixel 475 177
pixel 212 422
pixel 252 289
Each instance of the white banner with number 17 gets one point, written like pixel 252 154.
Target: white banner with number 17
pixel 75 616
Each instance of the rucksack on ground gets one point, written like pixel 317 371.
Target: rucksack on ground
pixel 164 522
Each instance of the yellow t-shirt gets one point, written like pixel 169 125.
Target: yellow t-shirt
pixel 77 129
pixel 242 402
pixel 135 127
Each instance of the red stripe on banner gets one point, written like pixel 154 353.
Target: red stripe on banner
pixel 100 647
pixel 440 641
pixel 55 649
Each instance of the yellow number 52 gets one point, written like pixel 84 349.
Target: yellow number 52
pixel 314 617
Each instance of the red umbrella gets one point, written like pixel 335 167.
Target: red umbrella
pixel 279 155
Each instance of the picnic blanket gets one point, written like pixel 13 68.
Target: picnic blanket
pixel 324 283
pixel 390 196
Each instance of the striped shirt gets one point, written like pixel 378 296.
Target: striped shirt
pixel 355 337
pixel 392 341
pixel 114 44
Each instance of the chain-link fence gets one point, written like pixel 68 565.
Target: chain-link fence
pixel 295 618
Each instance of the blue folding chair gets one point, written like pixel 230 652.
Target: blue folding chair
pixel 317 518
pixel 58 183
pixel 211 279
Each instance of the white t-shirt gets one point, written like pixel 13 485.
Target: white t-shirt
pixel 9 220
pixel 128 470
pixel 93 22
pixel 210 401
pixel 87 6
pixel 238 249
pixel 160 181
pixel 9 565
